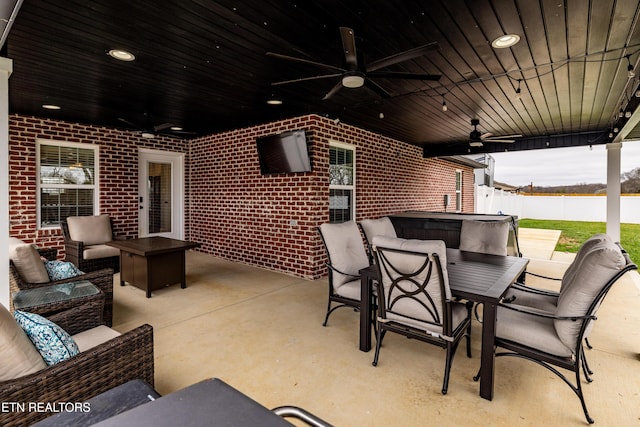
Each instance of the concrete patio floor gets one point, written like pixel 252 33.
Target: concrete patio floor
pixel 262 333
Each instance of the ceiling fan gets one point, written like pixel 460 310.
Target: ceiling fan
pixel 149 130
pixel 357 74
pixel 476 138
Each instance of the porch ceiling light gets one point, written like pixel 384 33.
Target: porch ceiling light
pixel 505 41
pixel 121 55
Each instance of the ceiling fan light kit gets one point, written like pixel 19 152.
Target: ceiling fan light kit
pixel 354 80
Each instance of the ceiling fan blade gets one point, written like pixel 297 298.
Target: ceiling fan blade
pixel 408 76
pixel 349 48
pixel 504 136
pixel 402 56
pixel 377 88
pixel 162 127
pixel 485 135
pixel 305 61
pixel 133 125
pixel 333 91
pixel 508 141
pixel 304 79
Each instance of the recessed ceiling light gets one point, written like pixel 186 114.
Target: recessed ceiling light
pixel 175 128
pixel 51 106
pixel 274 101
pixel 121 55
pixel 505 41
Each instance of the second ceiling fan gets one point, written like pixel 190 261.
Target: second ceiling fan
pixel 356 74
pixel 476 138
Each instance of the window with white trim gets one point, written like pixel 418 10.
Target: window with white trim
pixel 342 182
pixel 458 191
pixel 67 181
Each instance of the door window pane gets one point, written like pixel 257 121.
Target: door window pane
pixel 159 197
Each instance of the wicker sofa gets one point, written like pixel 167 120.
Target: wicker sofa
pixel 85 239
pixel 102 279
pixel 95 370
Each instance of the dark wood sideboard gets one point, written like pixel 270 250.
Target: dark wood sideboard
pixel 446 226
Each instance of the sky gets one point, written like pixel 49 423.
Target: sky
pixel 561 166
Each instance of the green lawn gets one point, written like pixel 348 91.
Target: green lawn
pixel 576 232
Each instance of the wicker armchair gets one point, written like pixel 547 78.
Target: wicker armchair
pixel 102 279
pixel 121 359
pixel 75 250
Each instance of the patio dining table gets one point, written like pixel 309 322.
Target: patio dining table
pixel 473 276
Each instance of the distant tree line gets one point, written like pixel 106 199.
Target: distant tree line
pixel 630 184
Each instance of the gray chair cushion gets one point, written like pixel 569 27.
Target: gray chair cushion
pixel 377 227
pixel 346 251
pixel 548 303
pixel 27 261
pixel 487 237
pixel 603 261
pixel 532 331
pixel 90 230
pixel 588 244
pixel 409 263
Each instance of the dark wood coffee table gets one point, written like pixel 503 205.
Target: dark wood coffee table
pixel 151 263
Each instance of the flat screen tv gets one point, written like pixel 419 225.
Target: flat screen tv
pixel 286 152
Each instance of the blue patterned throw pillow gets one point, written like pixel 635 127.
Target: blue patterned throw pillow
pixel 59 270
pixel 53 343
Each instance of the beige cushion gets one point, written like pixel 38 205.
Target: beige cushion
pixel 346 251
pixel 27 261
pixel 90 230
pixel 17 352
pixel 409 260
pixel 487 237
pixel 533 331
pixel 377 227
pixel 590 243
pixel 93 337
pixel 100 251
pixel 597 267
pixel 548 303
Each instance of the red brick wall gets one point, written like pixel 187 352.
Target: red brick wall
pixel 118 173
pixel 240 215
pixel 236 213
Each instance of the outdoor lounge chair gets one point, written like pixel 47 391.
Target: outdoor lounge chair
pixel 414 298
pixel 376 227
pixel 102 279
pixel 554 338
pixel 85 239
pixel 106 359
pixel 346 257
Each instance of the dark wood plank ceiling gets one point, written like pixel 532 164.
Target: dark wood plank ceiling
pixel 202 65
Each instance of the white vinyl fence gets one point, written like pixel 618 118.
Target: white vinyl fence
pixel 488 200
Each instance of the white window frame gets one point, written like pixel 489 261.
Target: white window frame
pixel 351 147
pixel 95 186
pixel 459 190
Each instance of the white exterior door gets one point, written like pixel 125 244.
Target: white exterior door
pixel 161 194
